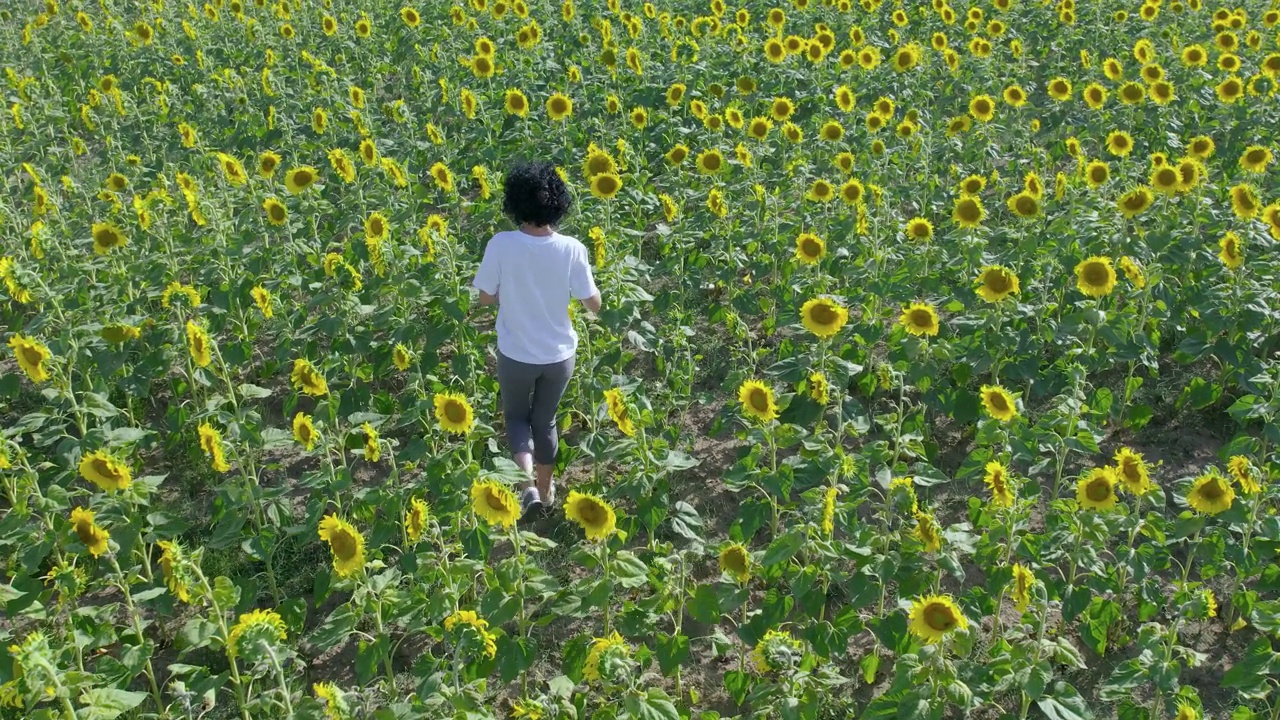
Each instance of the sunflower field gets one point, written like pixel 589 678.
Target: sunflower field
pixel 938 373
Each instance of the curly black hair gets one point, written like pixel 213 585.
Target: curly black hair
pixel 534 193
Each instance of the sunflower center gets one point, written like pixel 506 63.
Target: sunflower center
pixel 998 403
pixel 969 211
pixel 558 106
pixel 591 512
pixel 31 355
pixel 983 107
pixel 810 247
pixel 759 400
pixel 277 213
pixel 939 617
pixel 494 501
pixel 606 184
pixel 1098 490
pixel 454 411
pixel 920 230
pixel 84 531
pixel 1255 157
pixel 1095 273
pixel 343 544
pixel 1167 177
pixel 1026 205
pixel 823 314
pixel 1098 175
pixel 376 227
pixel 1212 490
pixel 921 318
pixel 711 162
pixel 1135 201
pixel 302 177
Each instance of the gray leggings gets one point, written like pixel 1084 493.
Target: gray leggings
pixel 530 396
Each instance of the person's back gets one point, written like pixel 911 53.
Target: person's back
pixel 531 274
pixel 538 275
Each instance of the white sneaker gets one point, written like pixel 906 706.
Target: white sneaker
pixel 530 503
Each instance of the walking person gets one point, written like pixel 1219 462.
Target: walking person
pixel 531 274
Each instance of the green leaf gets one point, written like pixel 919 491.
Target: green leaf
pixel 335 629
pixel 738 683
pixel 108 703
pixel 629 570
pixel 783 548
pixel 652 706
pixel 197 633
pixel 515 655
pixel 226 595
pixel 369 656
pixel 870 664
pixel 672 651
pixel 705 605
pixel 1248 675
pixel 1064 703
pixel 686 522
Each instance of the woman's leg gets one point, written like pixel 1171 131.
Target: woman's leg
pixel 516 385
pixel 547 391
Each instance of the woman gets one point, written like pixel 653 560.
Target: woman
pixel 531 274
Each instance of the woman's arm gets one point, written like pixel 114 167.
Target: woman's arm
pixel 487 299
pixel 592 303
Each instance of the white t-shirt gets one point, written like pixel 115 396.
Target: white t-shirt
pixel 534 278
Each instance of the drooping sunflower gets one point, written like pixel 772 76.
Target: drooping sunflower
pixel 211 445
pixel 919 228
pixel 735 560
pixel 304 431
pixel 495 503
pixel 1231 250
pixel 596 517
pixel 1096 489
pixel 300 178
pixel 757 401
pixel 968 211
pixel 920 319
pixel 308 379
pixel 32 356
pixel 1135 202
pixel 998 402
pixel 346 544
pixel 1133 271
pixel 823 317
pixel 108 473
pixel 454 413
pixel 810 248
pixel 277 213
pixel 933 617
pixel 997 480
pixel 415 519
pixel 1095 276
pixel 1132 472
pixel 1211 493
pixel 1245 202
pixel 87 530
pixel 1243 472
pixel 107 237
pixel 1022 582
pixel 342 165
pixel 603 653
pixel 996 282
pixel 199 344
pixel 254 628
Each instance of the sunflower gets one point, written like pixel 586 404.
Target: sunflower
pixel 1119 143
pixel 869 58
pixel 401 357
pixel 363 28
pixel 369 152
pixel 875 122
pixel 757 400
pixel 831 131
pixel 32 355
pixel 610 650
pixel 1023 580
pixel 1024 205
pixel 821 191
pixel 415 519
pixel 1096 489
pixel 515 103
pixel 1095 276
pixel 107 237
pixel 1095 96
pixel 1231 250
pixel 304 431
pixel 211 444
pixel 199 344
pixel 710 162
pixel 675 156
pixel 735 560
pixel 997 480
pixel 1255 159
pixel 1166 179
pixel 972 185
pixel 454 413
pixel 1015 96
pixel 592 513
pixel 810 248
pixel 823 317
pixel 1131 93
pixel 120 333
pixel 1211 493
pixel 495 503
pixel 1245 202
pixel 559 106
pixel 267 164
pixel 308 379
pixel 1059 89
pixel 345 543
pixel 968 211
pixel 1133 271
pixel 300 178
pixel 1230 90
pixel 852 192
pixel 918 228
pixel 1201 147
pixel 1097 173
pixel 253 629
pixel 606 186
pixel 844 160
pixel 996 282
pixel 87 530
pixel 934 616
pixel 920 319
pixel 982 108
pixel 277 213
pixel 1242 471
pixel 998 403
pixel 105 471
pixel 1134 202
pixel 410 17
pixel 1131 471
pixel 1187 711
